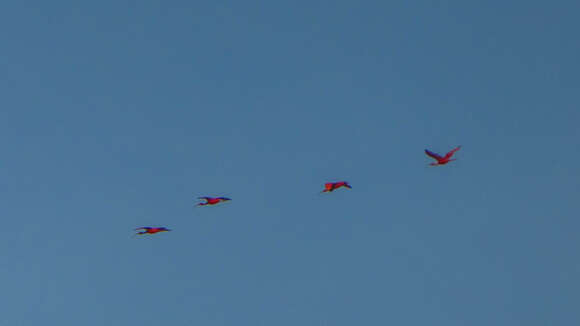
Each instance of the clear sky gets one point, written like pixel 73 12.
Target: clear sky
pixel 118 114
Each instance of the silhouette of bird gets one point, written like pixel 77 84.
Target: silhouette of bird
pixel 150 230
pixel 212 200
pixel 331 186
pixel 441 160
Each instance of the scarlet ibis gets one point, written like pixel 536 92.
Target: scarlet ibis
pixel 150 230
pixel 330 186
pixel 212 200
pixel 441 160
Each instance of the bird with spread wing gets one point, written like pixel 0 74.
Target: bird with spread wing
pixel 442 160
pixel 151 230
pixel 331 186
pixel 212 200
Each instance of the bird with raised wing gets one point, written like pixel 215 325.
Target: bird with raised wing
pixel 442 160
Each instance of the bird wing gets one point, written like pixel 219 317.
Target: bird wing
pixel 433 155
pixel 143 228
pixel 451 152
pixel 206 198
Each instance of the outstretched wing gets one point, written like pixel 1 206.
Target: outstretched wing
pixel 450 153
pixel 433 155
pixel 143 228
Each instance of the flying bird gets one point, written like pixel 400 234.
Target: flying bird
pixel 330 186
pixel 441 160
pixel 212 200
pixel 150 230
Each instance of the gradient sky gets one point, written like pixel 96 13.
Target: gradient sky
pixel 118 114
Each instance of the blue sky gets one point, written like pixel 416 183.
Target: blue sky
pixel 117 115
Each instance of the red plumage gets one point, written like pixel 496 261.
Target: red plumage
pixel 442 160
pixel 151 230
pixel 212 200
pixel 331 186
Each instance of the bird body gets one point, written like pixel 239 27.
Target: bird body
pixel 442 160
pixel 151 230
pixel 331 186
pixel 212 200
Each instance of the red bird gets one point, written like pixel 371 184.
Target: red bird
pixel 212 200
pixel 150 230
pixel 441 160
pixel 330 186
